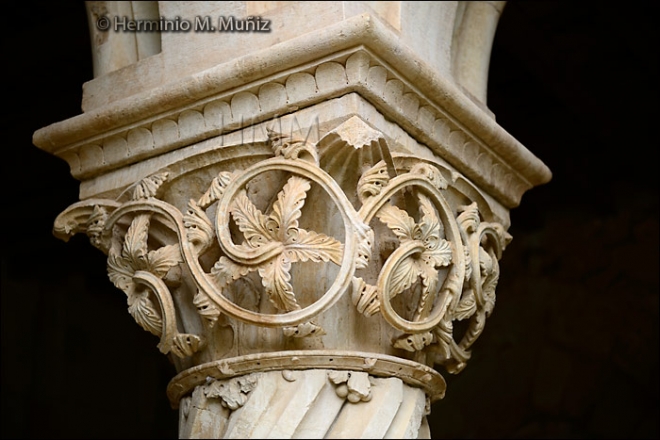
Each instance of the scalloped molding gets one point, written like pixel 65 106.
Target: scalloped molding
pixel 484 152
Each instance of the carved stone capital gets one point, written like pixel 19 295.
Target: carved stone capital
pixel 285 261
pixel 304 226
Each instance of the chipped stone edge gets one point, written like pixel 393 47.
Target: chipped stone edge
pixel 379 365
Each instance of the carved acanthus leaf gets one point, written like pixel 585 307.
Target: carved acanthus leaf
pixel 135 255
pixel 199 229
pixel 372 181
pixel 161 260
pixel 148 187
pixel 276 277
pixel 143 311
pixel 398 221
pixel 477 325
pixel 119 271
pixel 206 308
pixel 250 221
pixel 365 297
pixel 357 133
pixel 365 239
pixel 135 242
pixel 282 224
pixel 216 189
pixel 185 344
pixel 225 271
pixel 359 387
pixel 440 256
pixel 224 368
pixel 404 276
pixel 430 229
pixel 310 245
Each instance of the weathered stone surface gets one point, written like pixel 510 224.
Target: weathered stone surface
pixel 274 205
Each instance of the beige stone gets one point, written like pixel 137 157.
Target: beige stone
pixel 302 215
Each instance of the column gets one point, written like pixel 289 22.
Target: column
pixel 305 202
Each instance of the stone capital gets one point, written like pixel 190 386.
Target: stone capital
pixel 310 227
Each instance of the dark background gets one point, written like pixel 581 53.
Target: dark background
pixel 571 350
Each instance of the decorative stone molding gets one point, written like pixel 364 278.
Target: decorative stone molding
pixel 303 240
pixel 444 267
pixel 503 167
pixel 412 373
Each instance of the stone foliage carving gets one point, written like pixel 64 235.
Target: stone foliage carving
pixel 233 393
pixel 443 268
pixel 144 275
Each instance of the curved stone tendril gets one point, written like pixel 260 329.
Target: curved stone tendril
pixel 401 261
pixel 138 271
pixel 261 254
pixel 76 219
pixel 168 313
pixel 206 284
pixel 485 243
